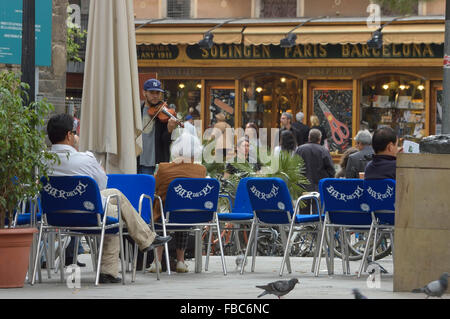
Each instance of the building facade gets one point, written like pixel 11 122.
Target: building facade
pixel 330 71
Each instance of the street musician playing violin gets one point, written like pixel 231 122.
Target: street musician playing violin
pixel 158 123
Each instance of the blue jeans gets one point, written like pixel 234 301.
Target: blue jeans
pixel 150 170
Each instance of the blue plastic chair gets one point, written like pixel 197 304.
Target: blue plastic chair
pixel 24 217
pixel 380 200
pixel 192 202
pixel 272 205
pixel 73 205
pixel 344 207
pixel 240 213
pixel 140 191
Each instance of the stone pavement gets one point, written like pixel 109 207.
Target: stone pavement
pixel 214 285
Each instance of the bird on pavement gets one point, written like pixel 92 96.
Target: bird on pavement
pixel 239 260
pixel 375 265
pixel 358 294
pixel 435 288
pixel 278 288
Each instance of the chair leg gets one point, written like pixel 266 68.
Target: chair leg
pixel 316 244
pixel 122 256
pixel 37 256
pixel 134 264
pixel 249 243
pixel 255 247
pixel 366 251
pixel 100 253
pixel 286 249
pixel 208 250
pixel 61 255
pixel 144 261
pixel 224 266
pixel 285 242
pixel 374 248
pixel 322 237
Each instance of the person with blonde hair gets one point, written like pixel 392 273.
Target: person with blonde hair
pixel 315 123
pixel 185 151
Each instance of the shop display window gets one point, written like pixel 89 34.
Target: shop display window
pixel 266 96
pixel 397 101
pixel 221 102
pixel 333 107
pixel 184 97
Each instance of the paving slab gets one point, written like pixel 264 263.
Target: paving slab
pixel 212 284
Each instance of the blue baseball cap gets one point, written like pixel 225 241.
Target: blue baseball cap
pixel 153 85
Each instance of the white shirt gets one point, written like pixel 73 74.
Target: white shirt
pixel 77 163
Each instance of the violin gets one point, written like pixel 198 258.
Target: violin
pixel 163 113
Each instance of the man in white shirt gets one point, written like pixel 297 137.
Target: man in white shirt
pixel 64 143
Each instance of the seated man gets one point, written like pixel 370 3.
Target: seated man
pixel 357 162
pixel 385 146
pixel 64 143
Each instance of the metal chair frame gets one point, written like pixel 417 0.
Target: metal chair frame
pixel 166 211
pixel 357 211
pixel 88 231
pixel 292 219
pixel 378 206
pixel 145 195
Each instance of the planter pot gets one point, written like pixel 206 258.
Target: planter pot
pixel 14 256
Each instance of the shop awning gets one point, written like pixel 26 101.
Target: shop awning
pixel 186 35
pixel 335 34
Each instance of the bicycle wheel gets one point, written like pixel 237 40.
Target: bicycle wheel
pixel 304 242
pixel 356 242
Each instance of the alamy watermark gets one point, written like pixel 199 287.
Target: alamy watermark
pixel 261 146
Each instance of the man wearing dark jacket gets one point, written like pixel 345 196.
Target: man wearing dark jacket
pixel 357 162
pixel 302 129
pixel 385 146
pixel 157 135
pixel 318 162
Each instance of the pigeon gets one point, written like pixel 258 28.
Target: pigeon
pixel 435 288
pixel 239 260
pixel 278 288
pixel 358 294
pixel 374 266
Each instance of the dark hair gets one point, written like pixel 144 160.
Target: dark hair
pixel 382 137
pixel 58 126
pixel 254 126
pixel 287 141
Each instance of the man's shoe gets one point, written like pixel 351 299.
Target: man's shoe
pixel 158 241
pixel 79 264
pixel 108 279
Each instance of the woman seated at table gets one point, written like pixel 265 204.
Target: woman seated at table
pixel 183 151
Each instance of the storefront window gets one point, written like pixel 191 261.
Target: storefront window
pixel 333 107
pixel 184 97
pixel 397 101
pixel 221 102
pixel 266 96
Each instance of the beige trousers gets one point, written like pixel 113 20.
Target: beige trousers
pixel 136 226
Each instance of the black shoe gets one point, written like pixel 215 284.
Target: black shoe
pixel 69 261
pixel 108 279
pixel 158 241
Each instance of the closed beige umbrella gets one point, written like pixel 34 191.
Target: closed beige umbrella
pixel 110 108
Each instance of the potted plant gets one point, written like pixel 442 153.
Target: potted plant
pixel 23 155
